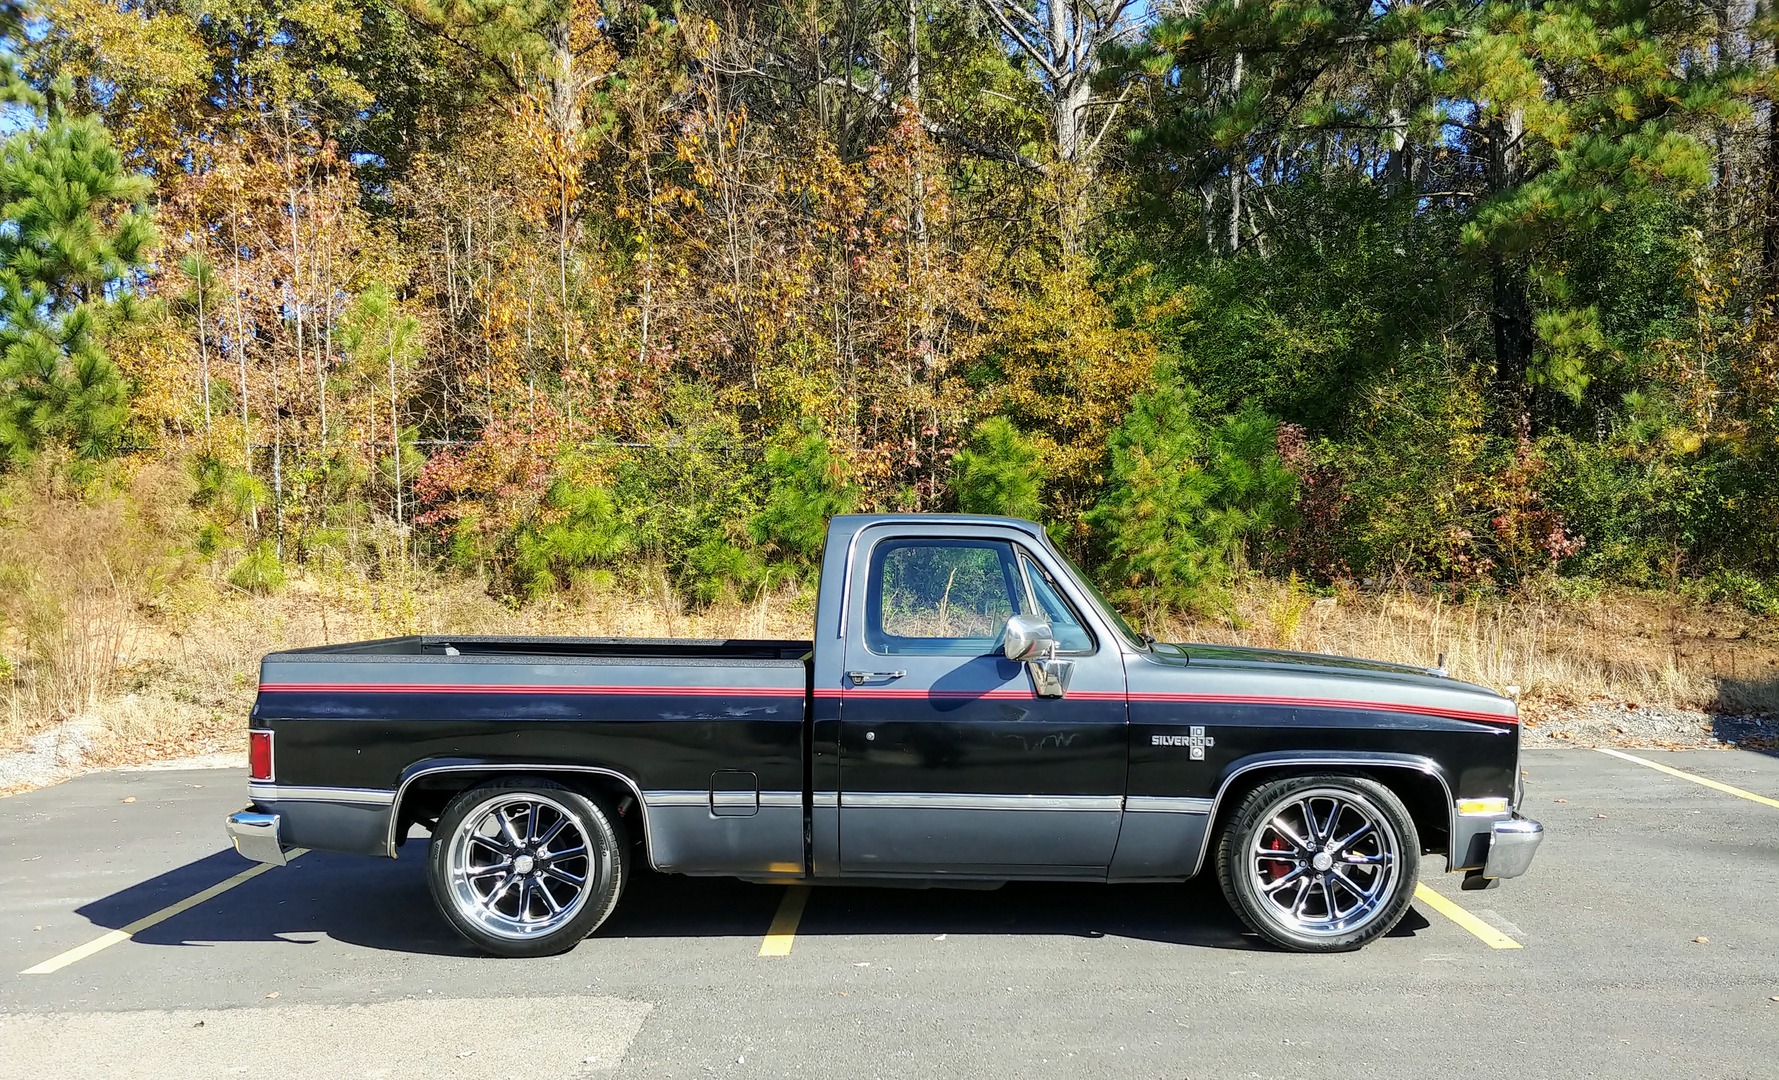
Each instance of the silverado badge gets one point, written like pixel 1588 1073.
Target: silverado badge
pixel 1197 741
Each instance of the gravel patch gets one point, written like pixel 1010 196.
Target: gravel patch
pixel 1616 723
pixel 50 756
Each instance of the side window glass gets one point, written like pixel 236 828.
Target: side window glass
pixel 940 596
pixel 1065 623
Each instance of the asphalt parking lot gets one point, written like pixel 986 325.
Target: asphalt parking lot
pixel 1593 965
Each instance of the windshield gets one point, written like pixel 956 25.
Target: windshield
pixel 1136 640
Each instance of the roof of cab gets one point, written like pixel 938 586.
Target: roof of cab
pixel 852 523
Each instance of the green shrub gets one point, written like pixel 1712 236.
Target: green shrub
pixel 806 484
pixel 259 571
pixel 578 527
pixel 1752 593
pixel 719 568
pixel 998 472
pixel 210 539
pixel 1187 500
pixel 1644 495
pixel 695 481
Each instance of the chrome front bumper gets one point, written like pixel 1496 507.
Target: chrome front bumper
pixel 255 835
pixel 1512 843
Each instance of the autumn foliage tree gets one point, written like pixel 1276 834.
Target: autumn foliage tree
pixel 578 292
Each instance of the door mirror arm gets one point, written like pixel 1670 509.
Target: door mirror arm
pixel 1030 640
pixel 1050 674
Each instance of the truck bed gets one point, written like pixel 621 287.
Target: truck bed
pixel 723 649
pixel 683 724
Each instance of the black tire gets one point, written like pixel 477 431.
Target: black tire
pixel 1317 894
pixel 510 888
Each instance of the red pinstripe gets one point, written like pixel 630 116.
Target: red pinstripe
pixel 529 688
pixel 886 693
pixel 1154 698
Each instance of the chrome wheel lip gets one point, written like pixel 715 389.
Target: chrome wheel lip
pixel 1342 864
pixel 480 883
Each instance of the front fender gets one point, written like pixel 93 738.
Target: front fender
pixel 1302 761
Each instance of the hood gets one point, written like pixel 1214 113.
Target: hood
pixel 1237 657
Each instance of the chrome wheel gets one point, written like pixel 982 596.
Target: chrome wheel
pixel 518 865
pixel 1324 861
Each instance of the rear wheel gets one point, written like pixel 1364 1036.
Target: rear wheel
pixel 1320 863
pixel 526 867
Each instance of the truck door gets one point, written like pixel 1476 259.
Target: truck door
pixel 949 762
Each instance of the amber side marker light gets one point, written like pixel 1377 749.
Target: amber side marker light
pixel 259 755
pixel 1473 806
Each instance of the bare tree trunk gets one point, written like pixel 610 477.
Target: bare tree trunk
pixel 1064 40
pixel 241 356
pixel 296 277
pixel 277 458
pixel 919 218
pixel 326 356
pixel 1511 314
pixel 1237 167
pixel 1769 232
pixel 395 434
pixel 1207 197
pixel 1396 163
pixel 204 341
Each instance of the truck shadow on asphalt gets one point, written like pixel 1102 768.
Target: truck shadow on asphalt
pixel 385 906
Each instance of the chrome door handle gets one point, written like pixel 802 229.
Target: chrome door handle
pixel 858 677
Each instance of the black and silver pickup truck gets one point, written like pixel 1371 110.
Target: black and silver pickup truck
pixel 969 710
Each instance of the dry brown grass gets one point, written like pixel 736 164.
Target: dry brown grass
pixel 1622 646
pixel 77 577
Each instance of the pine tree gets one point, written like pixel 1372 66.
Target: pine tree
pixel 76 231
pixel 13 86
pixel 997 473
pixel 1186 499
pixel 1584 109
pixel 807 484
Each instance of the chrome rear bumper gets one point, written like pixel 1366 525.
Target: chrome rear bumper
pixel 255 835
pixel 1512 843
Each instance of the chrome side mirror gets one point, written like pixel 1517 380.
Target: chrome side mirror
pixel 1029 640
pixel 1028 637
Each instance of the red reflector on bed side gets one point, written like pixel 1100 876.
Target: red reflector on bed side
pixel 259 755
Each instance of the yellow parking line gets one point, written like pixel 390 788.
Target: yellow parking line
pixel 1695 778
pixel 783 931
pixel 1487 934
pixel 107 940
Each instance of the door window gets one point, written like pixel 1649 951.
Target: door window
pixel 1071 634
pixel 948 597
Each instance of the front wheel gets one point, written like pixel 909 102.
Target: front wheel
pixel 1320 863
pixel 526 867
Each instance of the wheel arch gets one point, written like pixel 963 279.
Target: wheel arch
pixel 1418 781
pixel 427 786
